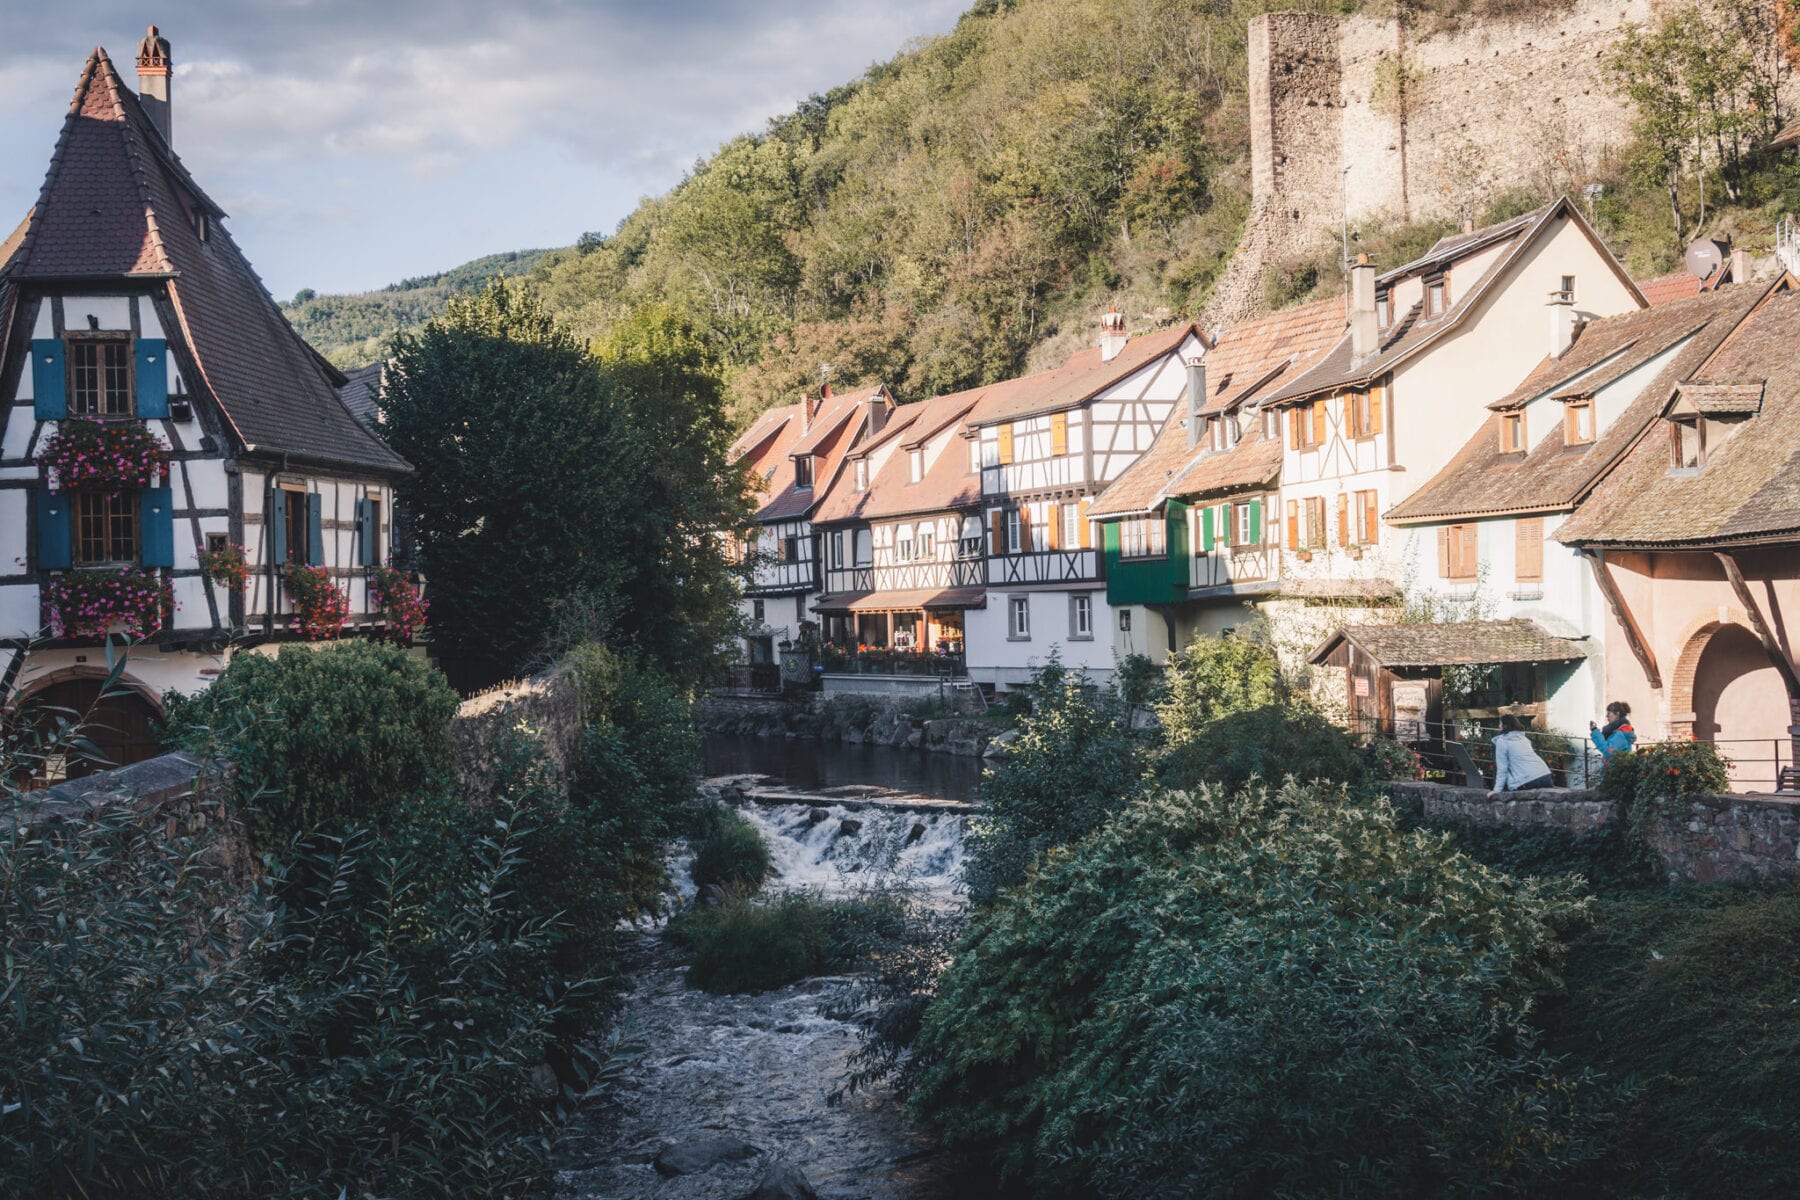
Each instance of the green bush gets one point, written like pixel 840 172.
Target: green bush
pixel 750 945
pixel 1270 744
pixel 1257 993
pixel 1216 676
pixel 729 851
pixel 1392 760
pixel 328 736
pixel 1073 764
pixel 1669 772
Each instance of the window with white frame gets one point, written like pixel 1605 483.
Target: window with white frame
pixel 974 455
pixel 1014 532
pixel 1071 530
pixel 926 542
pixel 903 546
pixel 969 544
pixel 837 549
pixel 862 474
pixel 1018 613
pixel 915 465
pixel 1142 537
pixel 1240 523
pixel 1081 615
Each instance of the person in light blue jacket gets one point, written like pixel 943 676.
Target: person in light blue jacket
pixel 1517 766
pixel 1616 736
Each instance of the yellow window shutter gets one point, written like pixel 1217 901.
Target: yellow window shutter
pixel 1087 531
pixel 1318 422
pixel 1293 524
pixel 1343 518
pixel 1293 429
pixel 1059 433
pixel 1006 443
pixel 1055 525
pixel 1377 402
pixel 1530 549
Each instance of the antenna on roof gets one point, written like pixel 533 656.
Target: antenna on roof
pixel 825 370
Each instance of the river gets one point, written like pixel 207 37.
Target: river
pixel 759 1068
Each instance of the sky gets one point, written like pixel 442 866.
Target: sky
pixel 354 143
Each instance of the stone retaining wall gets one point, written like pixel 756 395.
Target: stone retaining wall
pixel 1719 838
pixel 847 720
pixel 548 705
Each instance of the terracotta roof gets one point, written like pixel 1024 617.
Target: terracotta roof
pixel 1410 333
pixel 117 203
pixel 1081 378
pixel 948 482
pixel 1552 476
pixel 832 411
pixel 767 424
pixel 1674 286
pixel 901 601
pixel 836 427
pixel 1749 488
pixel 1247 360
pixel 1723 399
pixel 1454 643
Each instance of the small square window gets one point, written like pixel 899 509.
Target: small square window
pixel 1512 433
pixel 1578 422
pixel 803 471
pixel 1437 296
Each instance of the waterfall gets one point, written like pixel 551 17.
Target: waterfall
pixel 836 849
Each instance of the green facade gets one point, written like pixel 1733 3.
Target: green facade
pixel 1148 580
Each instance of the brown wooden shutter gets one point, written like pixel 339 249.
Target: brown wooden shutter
pixel 1293 524
pixel 1318 422
pixel 997 525
pixel 1055 525
pixel 1059 433
pixel 1025 546
pixel 1343 518
pixel 1377 402
pixel 1444 553
pixel 1293 429
pixel 1471 552
pixel 1006 443
pixel 1529 553
pixel 1087 530
pixel 1371 518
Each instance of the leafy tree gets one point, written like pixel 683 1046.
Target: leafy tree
pixel 550 481
pixel 1214 676
pixel 1258 993
pixel 1270 744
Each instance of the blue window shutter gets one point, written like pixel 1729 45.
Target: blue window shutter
pixel 156 518
pixel 52 530
pixel 48 379
pixel 1206 529
pixel 152 379
pixel 278 502
pixel 367 552
pixel 1256 522
pixel 315 529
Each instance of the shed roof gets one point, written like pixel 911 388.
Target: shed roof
pixel 1454 643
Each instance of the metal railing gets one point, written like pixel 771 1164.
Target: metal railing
pixel 1787 242
pixel 894 662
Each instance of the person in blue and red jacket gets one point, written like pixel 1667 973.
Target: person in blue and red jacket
pixel 1616 736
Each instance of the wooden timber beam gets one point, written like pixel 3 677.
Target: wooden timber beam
pixel 1634 636
pixel 1771 647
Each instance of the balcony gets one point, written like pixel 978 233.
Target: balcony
pixel 873 661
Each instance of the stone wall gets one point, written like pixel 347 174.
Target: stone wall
pixel 1719 838
pixel 847 720
pixel 547 705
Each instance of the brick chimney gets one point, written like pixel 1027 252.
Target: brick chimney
pixel 1196 396
pixel 1112 335
pixel 1365 332
pixel 878 412
pixel 154 65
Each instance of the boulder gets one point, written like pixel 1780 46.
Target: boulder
pixel 782 1180
pixel 915 833
pixel 702 1152
pixel 815 816
pixel 1001 746
pixel 850 827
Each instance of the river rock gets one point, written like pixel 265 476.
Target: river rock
pixel 782 1180
pixel 850 827
pixel 915 833
pixel 815 816
pixel 702 1153
pixel 1001 746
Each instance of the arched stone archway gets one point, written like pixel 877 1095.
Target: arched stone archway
pixel 1730 693
pixel 119 725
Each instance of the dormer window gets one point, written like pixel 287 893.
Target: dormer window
pixel 915 465
pixel 1512 433
pixel 1384 308
pixel 1222 431
pixel 803 471
pixel 203 225
pixel 1578 422
pixel 1437 296
pixel 1687 443
pixel 862 474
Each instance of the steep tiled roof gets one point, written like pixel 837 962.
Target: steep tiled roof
pixel 1249 359
pixel 1410 332
pixel 1674 286
pixel 948 482
pixel 1455 643
pixel 1551 475
pixel 117 203
pixel 1082 377
pixel 1749 488
pixel 361 393
pixel 767 424
pixel 836 424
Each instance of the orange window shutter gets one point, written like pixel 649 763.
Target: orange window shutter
pixel 1371 519
pixel 1444 554
pixel 1087 534
pixel 997 529
pixel 1318 422
pixel 1025 545
pixel 1344 519
pixel 1293 429
pixel 1530 549
pixel 1471 552
pixel 1293 524
pixel 1059 433
pixel 1377 402
pixel 1006 443
pixel 1055 534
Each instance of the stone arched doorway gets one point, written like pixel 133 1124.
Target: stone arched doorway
pixel 1737 698
pixel 120 726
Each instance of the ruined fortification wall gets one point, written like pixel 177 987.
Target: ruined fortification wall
pixel 1430 126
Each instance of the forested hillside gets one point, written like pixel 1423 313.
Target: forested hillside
pixel 353 330
pixel 966 209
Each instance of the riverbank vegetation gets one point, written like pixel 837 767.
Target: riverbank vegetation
pixel 401 1001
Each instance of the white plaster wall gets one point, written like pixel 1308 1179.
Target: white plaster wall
pixel 186 672
pixel 993 658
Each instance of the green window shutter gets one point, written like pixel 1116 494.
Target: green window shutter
pixel 48 379
pixel 1256 523
pixel 53 548
pixel 365 534
pixel 1206 529
pixel 278 502
pixel 156 518
pixel 315 529
pixel 152 379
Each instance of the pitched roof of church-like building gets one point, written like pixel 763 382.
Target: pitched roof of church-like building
pixel 117 204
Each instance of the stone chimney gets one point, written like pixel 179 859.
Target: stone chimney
pixel 1741 269
pixel 1468 224
pixel 878 413
pixel 1112 335
pixel 1196 396
pixel 1365 331
pixel 154 65
pixel 1562 323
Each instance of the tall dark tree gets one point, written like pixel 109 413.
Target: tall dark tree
pixel 558 489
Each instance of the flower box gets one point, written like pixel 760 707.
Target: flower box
pixel 320 606
pixel 228 566
pixel 100 456
pixel 86 604
pixel 400 602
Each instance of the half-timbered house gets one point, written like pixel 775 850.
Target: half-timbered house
pixel 1047 444
pixel 159 412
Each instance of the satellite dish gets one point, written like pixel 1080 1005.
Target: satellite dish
pixel 1704 256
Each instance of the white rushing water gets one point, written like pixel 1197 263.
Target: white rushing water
pixel 837 850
